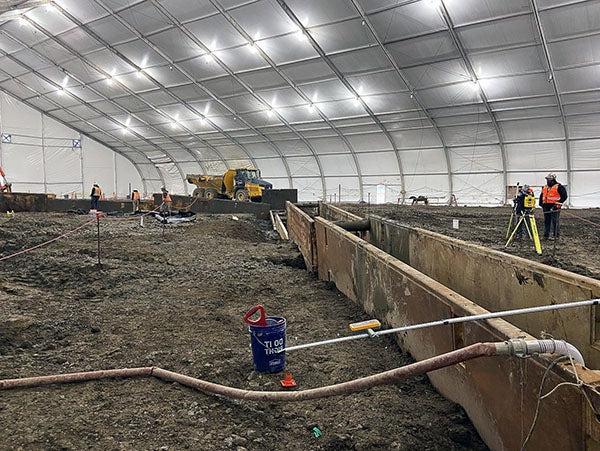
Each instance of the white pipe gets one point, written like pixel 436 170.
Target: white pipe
pixel 445 322
pixel 523 348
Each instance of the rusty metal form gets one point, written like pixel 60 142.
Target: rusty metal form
pixel 23 202
pixel 301 228
pixel 503 281
pixel 489 390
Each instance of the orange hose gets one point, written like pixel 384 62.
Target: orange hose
pixel 357 385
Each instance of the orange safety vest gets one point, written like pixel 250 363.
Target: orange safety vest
pixel 135 195
pixel 167 198
pixel 97 191
pixel 550 194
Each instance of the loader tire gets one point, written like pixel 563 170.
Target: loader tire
pixel 211 193
pixel 242 195
pixel 198 192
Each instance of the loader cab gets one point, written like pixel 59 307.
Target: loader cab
pixel 246 175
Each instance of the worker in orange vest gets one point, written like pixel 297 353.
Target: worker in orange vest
pixel 167 202
pixel 135 199
pixel 4 185
pixel 96 194
pixel 551 200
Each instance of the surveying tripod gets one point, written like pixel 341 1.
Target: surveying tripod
pixel 526 218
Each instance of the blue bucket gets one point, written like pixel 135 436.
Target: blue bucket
pixel 267 337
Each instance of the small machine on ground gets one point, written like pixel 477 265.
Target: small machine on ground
pixel 526 219
pixel 242 184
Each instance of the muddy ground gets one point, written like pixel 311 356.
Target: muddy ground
pixel 174 298
pixel 577 250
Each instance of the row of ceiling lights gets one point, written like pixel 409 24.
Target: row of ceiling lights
pixel 210 58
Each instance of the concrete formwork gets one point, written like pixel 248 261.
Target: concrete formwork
pixel 333 213
pixel 301 229
pixel 499 394
pixel 24 201
pixel 217 206
pixel 495 280
pixel 277 198
pixel 499 281
pixel 20 202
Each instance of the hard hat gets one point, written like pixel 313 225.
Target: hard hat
pixel 525 187
pixel 551 176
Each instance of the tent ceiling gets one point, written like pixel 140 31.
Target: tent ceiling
pixel 424 87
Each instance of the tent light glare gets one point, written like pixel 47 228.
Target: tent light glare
pixel 209 58
pixel 302 36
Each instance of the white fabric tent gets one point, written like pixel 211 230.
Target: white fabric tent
pixel 379 99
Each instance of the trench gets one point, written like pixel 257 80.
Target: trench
pixel 405 275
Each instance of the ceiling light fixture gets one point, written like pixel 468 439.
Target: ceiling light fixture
pixel 302 36
pixel 311 107
pixel 270 113
pixel 253 47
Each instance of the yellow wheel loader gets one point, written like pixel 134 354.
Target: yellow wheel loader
pixel 242 185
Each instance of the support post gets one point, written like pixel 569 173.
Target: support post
pixel 98 236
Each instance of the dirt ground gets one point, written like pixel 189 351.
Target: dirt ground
pixel 174 298
pixel 578 249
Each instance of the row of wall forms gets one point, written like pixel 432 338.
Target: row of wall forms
pixel 500 394
pixel 495 280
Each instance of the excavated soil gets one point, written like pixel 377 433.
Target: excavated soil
pixel 577 250
pixel 174 298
